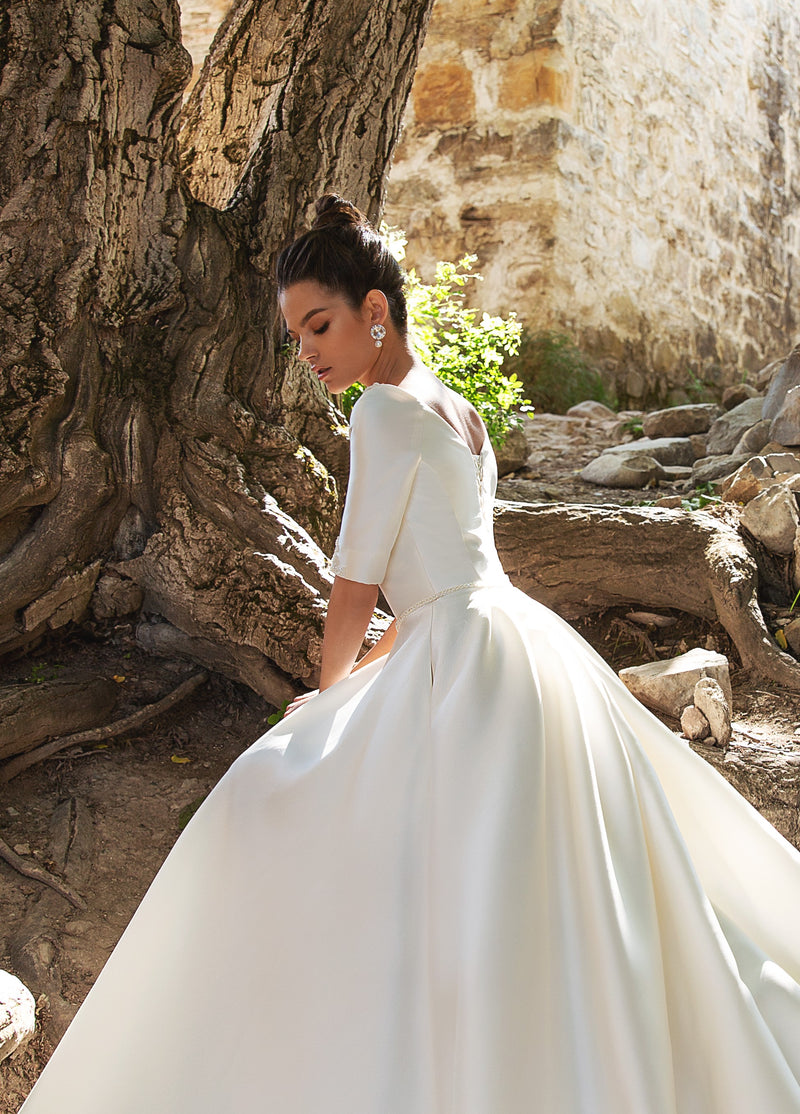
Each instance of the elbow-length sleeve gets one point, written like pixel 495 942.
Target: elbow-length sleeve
pixel 385 437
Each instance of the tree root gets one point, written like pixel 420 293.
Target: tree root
pixel 39 874
pixel 580 559
pixel 99 734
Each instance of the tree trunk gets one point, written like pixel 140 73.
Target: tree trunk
pixel 149 422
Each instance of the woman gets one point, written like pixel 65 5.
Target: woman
pixel 470 876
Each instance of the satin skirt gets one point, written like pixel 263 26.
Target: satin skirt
pixel 474 878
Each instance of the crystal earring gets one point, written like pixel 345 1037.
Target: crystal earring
pixel 377 332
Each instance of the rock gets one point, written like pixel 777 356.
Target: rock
pixel 666 450
pixel 591 410
pixel 738 393
pixel 676 472
pixel 786 423
pixel 712 701
pixel 681 421
pixel 698 441
pixel 715 467
pixel 758 474
pixel 783 463
pixel 669 501
pixel 754 439
pixel 792 633
pixel 668 686
pixel 513 453
pixel 772 519
pixel 787 377
pixel 620 469
pixel 747 481
pixel 694 724
pixel 17 1014
pixel 727 430
pixel 765 376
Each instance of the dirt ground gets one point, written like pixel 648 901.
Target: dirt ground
pixel 131 797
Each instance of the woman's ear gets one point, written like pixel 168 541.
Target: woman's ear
pixel 376 307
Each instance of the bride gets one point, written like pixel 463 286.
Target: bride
pixel 470 875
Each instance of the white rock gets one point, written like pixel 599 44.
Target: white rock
pixel 620 470
pixel 17 1014
pixel 772 519
pixel 710 699
pixel 594 411
pixel 668 686
pixel 694 724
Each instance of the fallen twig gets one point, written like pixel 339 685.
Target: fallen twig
pixel 39 874
pixel 98 734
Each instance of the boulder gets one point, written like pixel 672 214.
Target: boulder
pixel 680 421
pixel 772 518
pixel 694 724
pixel 618 470
pixel 711 700
pixel 788 376
pixel 591 410
pixel 668 686
pixel 785 426
pixel 715 467
pixel 666 450
pixel 739 392
pixel 17 1014
pixel 727 430
pixel 754 439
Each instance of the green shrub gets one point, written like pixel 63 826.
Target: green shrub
pixel 555 373
pixel 467 353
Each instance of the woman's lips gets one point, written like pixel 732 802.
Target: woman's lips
pixel 322 372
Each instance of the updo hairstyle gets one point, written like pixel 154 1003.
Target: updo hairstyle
pixel 344 253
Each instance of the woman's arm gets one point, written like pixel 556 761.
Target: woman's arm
pixel 350 609
pixel 381 647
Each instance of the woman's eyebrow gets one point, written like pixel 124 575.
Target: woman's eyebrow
pixel 311 313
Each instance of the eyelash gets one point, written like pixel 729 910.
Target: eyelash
pixel 322 329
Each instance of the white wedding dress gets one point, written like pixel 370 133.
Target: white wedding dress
pixel 476 877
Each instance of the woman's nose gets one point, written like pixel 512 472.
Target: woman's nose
pixel 305 350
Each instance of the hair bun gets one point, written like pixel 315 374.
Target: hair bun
pixel 335 212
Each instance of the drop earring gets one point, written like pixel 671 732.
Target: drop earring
pixel 377 332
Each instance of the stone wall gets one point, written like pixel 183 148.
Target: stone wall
pixel 627 171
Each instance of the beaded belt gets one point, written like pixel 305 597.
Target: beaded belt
pixel 448 592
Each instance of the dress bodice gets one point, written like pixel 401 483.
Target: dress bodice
pixel 418 513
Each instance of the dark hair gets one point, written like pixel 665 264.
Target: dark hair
pixel 344 253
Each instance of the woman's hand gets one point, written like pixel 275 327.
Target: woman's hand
pixel 299 701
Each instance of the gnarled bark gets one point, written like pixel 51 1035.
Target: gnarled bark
pixel 147 418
